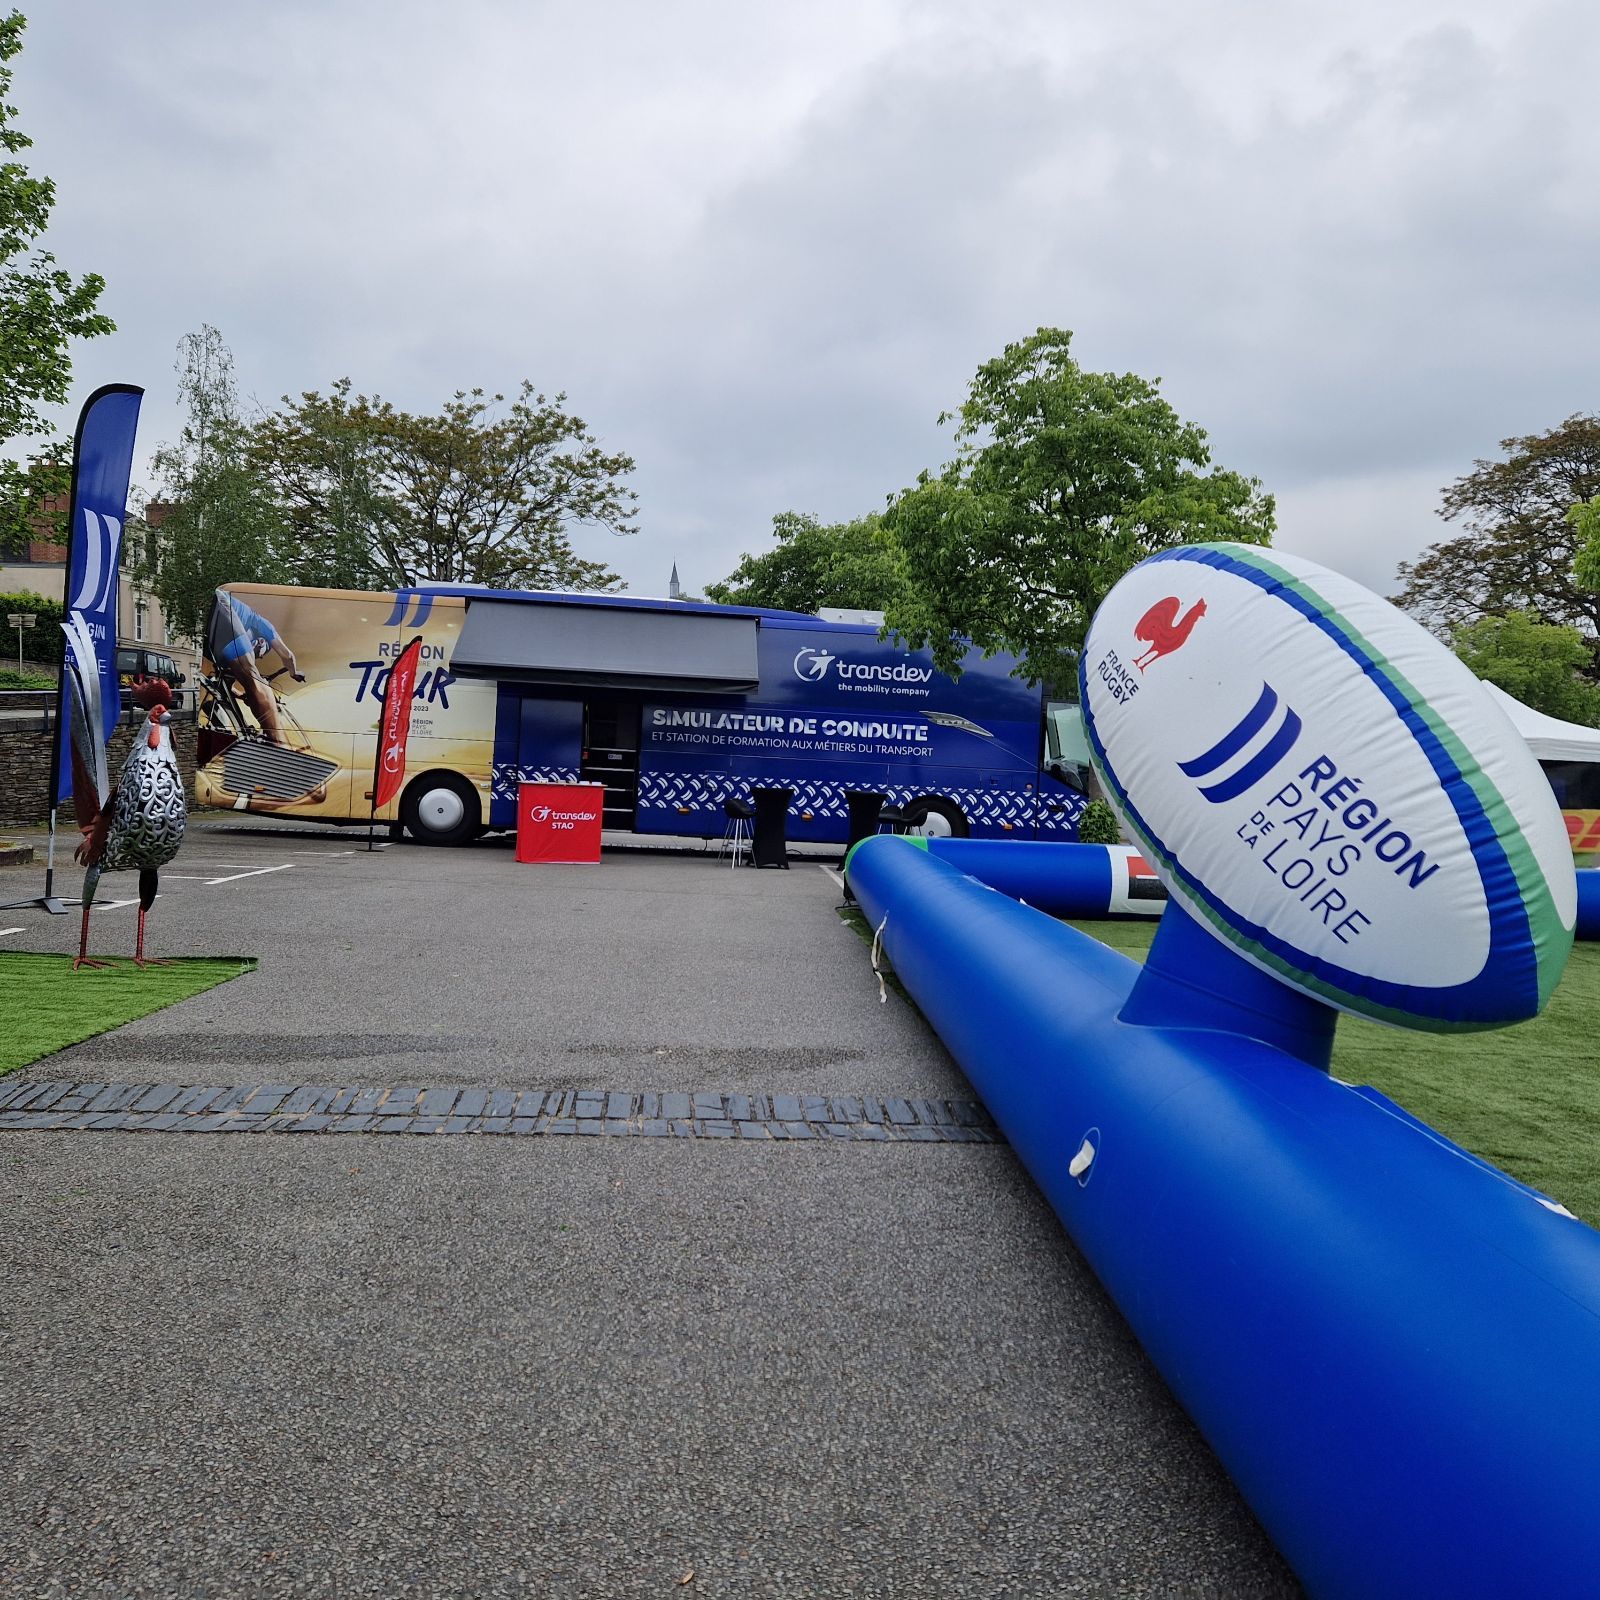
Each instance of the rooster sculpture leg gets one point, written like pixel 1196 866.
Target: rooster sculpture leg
pixel 147 894
pixel 91 880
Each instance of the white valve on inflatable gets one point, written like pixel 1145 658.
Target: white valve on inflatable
pixel 1081 1162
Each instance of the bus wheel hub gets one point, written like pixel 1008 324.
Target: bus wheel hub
pixel 441 809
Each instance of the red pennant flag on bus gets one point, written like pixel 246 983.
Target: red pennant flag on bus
pixel 390 771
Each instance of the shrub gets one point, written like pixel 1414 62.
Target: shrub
pixel 42 642
pixel 10 678
pixel 1098 824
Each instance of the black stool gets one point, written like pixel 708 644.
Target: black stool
pixel 770 847
pixel 736 836
pixel 894 818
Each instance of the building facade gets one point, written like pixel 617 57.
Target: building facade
pixel 41 568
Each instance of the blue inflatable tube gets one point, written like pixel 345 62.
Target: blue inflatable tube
pixel 1588 903
pixel 1065 880
pixel 1393 1347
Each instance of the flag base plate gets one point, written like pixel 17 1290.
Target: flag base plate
pixel 45 902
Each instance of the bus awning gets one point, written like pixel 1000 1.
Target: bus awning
pixel 594 647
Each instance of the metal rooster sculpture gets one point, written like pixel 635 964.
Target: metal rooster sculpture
pixel 140 824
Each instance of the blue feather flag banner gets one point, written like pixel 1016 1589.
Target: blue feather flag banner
pixel 102 463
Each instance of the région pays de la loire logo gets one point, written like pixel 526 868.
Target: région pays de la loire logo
pixel 1163 630
pixel 1230 785
pixel 97 580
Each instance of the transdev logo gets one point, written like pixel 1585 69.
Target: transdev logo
pixel 812 665
pixel 1239 738
pixel 815 666
pixel 549 814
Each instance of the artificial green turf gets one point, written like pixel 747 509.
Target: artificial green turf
pixel 45 1005
pixel 1526 1098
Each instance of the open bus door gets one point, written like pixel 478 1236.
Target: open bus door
pixel 610 756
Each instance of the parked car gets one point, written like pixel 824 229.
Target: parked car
pixel 136 662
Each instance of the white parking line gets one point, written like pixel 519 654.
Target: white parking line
pixel 255 872
pixel 837 877
pixel 117 905
pixel 5 931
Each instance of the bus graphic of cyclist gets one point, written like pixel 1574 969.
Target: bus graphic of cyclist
pixel 237 638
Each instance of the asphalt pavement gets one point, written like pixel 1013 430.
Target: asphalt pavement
pixel 302 1365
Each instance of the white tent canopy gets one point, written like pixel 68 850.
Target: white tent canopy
pixel 1549 738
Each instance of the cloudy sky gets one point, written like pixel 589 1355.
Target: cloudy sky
pixel 761 247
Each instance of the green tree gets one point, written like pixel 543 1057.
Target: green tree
pixel 41 305
pixel 1520 547
pixel 1584 519
pixel 856 565
pixel 215 521
pixel 1540 663
pixel 33 500
pixel 321 469
pixel 1063 480
pixel 471 495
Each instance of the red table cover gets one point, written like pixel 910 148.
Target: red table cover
pixel 559 821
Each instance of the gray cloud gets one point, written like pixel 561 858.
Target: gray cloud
pixel 763 251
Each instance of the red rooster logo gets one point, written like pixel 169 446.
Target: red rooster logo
pixel 1164 630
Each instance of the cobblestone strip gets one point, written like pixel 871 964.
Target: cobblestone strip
pixel 416 1109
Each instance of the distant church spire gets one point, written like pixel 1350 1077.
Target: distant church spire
pixel 673 591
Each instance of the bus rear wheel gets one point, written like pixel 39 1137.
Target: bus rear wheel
pixel 441 808
pixel 937 818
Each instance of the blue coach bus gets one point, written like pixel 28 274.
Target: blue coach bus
pixel 675 706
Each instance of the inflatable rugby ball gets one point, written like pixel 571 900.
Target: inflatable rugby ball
pixel 1327 789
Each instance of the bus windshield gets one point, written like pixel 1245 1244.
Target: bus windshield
pixel 1066 743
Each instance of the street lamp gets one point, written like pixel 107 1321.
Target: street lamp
pixel 20 620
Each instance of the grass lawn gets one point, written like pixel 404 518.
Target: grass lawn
pixel 45 1005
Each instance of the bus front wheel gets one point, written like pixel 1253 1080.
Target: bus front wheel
pixel 937 817
pixel 441 808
